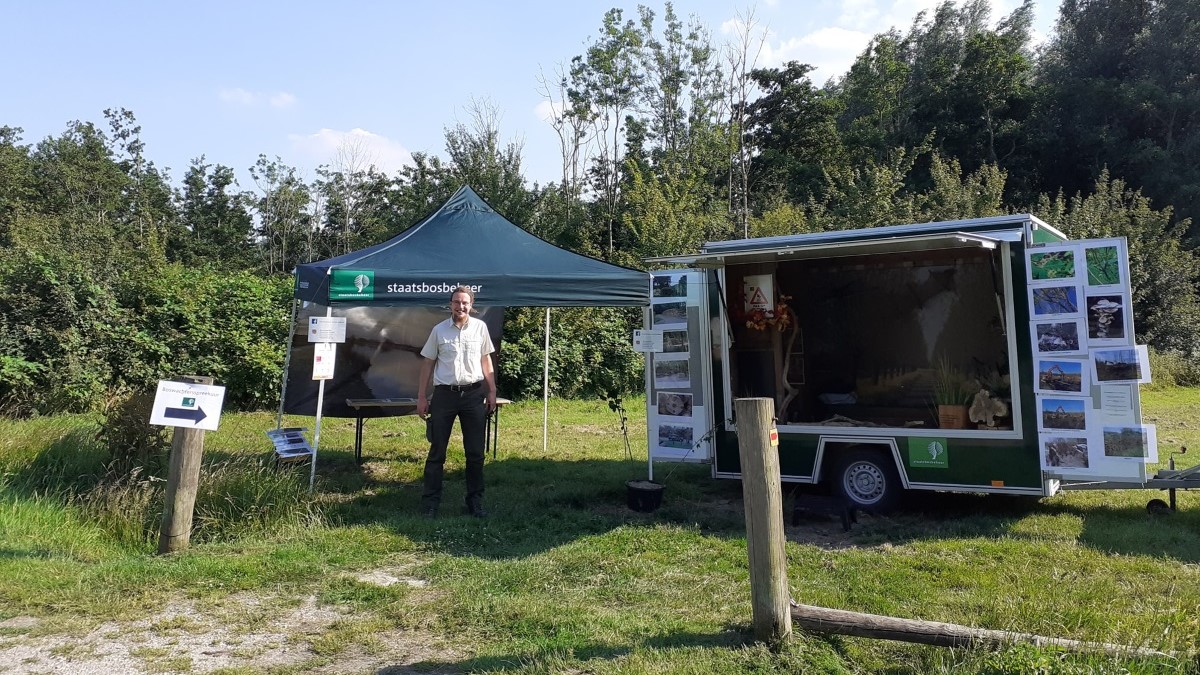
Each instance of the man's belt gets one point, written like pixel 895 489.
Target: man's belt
pixel 459 387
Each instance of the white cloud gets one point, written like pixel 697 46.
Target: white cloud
pixel 372 149
pixel 238 96
pixel 252 99
pixel 282 100
pixel 830 51
pixel 546 111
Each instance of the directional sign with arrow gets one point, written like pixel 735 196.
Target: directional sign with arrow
pixel 192 406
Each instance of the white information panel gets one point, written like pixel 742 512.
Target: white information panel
pixel 327 329
pixel 647 340
pixel 324 354
pixel 192 406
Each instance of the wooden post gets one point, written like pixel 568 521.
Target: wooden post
pixel 762 495
pixel 183 478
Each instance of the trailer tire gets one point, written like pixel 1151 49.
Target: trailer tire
pixel 1157 507
pixel 867 479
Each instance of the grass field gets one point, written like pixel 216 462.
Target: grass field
pixel 563 577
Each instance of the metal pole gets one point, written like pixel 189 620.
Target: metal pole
pixel 287 363
pixel 546 389
pixel 312 473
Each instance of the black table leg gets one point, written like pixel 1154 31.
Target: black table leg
pixel 358 441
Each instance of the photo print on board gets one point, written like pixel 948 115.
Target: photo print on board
pixel 1136 442
pixel 1062 377
pixel 675 341
pixel 675 436
pixel 1065 451
pixel 1108 318
pixel 1105 261
pixel 1063 337
pixel 672 373
pixel 1059 300
pixel 1111 365
pixel 1052 265
pixel 669 314
pixel 669 285
pixel 1061 413
pixel 673 404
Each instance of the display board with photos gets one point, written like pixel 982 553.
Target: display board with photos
pixel 1086 365
pixel 676 414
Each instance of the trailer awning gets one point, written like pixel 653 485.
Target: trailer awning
pixel 725 253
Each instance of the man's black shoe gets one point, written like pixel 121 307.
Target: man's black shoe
pixel 477 510
pixel 429 512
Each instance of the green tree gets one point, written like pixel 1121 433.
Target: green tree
pixel 1117 93
pixel 285 232
pixel 480 159
pixel 216 226
pixel 793 130
pixel 1163 269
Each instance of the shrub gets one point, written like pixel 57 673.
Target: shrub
pixel 591 352
pixel 131 441
pixel 1169 369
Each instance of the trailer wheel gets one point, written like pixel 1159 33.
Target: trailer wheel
pixel 1157 507
pixel 867 479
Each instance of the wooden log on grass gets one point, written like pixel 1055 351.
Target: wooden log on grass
pixel 841 622
pixel 763 497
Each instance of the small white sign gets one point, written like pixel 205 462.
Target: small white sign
pixel 324 354
pixel 647 340
pixel 758 292
pixel 327 329
pixel 192 406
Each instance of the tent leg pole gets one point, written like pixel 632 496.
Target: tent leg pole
pixel 312 472
pixel 546 389
pixel 287 363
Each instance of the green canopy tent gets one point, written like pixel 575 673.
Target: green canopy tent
pixel 466 242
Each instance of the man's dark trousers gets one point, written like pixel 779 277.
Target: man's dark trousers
pixel 470 409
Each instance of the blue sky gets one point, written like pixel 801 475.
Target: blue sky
pixel 230 80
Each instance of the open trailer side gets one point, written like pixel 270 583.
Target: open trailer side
pixel 858 335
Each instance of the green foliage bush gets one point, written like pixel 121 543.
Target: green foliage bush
pixel 1172 369
pixel 73 343
pixel 591 352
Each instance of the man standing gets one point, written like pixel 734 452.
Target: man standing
pixel 459 353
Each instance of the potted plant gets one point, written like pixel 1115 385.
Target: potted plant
pixel 951 395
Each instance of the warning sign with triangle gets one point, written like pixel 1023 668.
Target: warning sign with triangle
pixel 757 300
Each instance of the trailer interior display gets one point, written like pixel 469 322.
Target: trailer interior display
pixel 868 334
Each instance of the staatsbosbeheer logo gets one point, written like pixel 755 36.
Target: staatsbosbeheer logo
pixel 352 285
pixel 928 453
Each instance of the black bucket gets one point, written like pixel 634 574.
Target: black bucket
pixel 644 496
